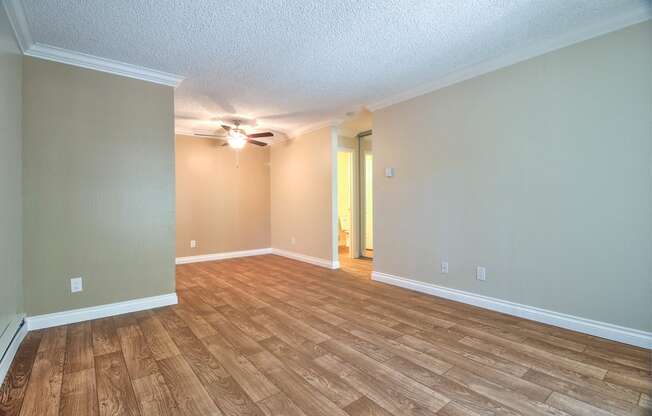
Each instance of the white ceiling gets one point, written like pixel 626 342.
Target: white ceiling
pixel 291 64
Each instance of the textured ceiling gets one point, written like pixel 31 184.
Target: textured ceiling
pixel 289 63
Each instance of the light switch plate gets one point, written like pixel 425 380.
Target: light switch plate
pixel 76 285
pixel 193 243
pixel 481 273
pixel 389 172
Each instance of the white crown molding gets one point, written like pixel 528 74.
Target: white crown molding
pixel 334 264
pixel 640 12
pixel 17 330
pixel 183 131
pixel 18 22
pixel 310 128
pixel 66 56
pixel 101 311
pixel 575 323
pixel 222 256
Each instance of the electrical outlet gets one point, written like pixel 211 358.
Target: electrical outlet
pixel 76 285
pixel 481 273
pixel 294 240
pixel 444 267
pixel 193 243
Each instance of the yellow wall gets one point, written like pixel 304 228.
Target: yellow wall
pixel 222 206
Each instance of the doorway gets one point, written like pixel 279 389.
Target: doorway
pixel 366 194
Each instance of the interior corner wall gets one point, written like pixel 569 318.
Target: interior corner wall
pixel 11 248
pixel 302 205
pixel 541 172
pixel 98 187
pixel 222 198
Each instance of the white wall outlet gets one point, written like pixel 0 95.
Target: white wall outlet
pixel 444 267
pixel 76 285
pixel 481 273
pixel 293 240
pixel 193 243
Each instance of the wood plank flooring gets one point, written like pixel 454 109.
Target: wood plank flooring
pixel 263 336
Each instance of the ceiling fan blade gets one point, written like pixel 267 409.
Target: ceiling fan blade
pixel 225 127
pixel 256 142
pixel 224 144
pixel 209 135
pixel 256 135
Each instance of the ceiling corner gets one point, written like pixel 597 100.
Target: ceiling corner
pixel 18 21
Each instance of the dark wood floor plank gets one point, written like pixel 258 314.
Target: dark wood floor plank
pixel 509 398
pixel 13 389
pixel 115 393
pixel 333 388
pixel 136 353
pixel 405 385
pixel 105 337
pixel 365 407
pixel 186 389
pixel 531 390
pixel 79 394
pixel 197 324
pixel 244 323
pixel 257 386
pixel 280 404
pixel 154 397
pixel 221 387
pixel 43 394
pixel 380 391
pixel 574 407
pixel 240 340
pixel 288 335
pixel 464 397
pixel 306 397
pixel 79 348
pixel 607 402
pixel 158 339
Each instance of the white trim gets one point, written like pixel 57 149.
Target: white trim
pixel 17 338
pixel 101 311
pixel 329 264
pixel 18 21
pixel 640 12
pixel 222 256
pixel 182 131
pixel 588 326
pixel 66 56
pixel 310 128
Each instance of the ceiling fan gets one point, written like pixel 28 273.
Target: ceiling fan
pixel 237 137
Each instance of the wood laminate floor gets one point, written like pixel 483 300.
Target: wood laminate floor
pixel 271 336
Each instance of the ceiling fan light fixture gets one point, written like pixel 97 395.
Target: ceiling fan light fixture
pixel 236 139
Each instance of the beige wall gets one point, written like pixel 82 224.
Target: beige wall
pixel 98 187
pixel 222 205
pixel 302 204
pixel 11 295
pixel 540 171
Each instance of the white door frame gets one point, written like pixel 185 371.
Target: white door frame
pixel 355 213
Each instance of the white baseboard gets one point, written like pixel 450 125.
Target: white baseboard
pixel 307 259
pixel 101 311
pixel 222 256
pixel 17 338
pixel 600 329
